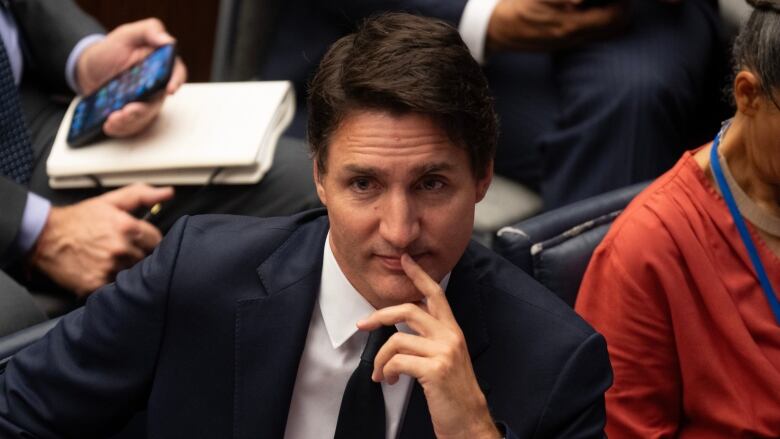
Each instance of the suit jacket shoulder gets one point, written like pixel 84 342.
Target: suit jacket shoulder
pixel 544 370
pixel 509 283
pixel 231 247
pixel 50 29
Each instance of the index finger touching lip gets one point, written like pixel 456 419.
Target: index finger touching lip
pixel 419 277
pixel 436 304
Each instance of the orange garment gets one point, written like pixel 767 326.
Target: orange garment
pixel 693 343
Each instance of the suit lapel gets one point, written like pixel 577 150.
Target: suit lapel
pixel 464 296
pixel 271 330
pixel 271 333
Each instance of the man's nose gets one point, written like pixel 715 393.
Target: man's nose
pixel 400 222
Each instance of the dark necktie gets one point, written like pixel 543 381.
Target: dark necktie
pixel 15 151
pixel 362 413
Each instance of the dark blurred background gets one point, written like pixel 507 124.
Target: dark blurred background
pixel 192 22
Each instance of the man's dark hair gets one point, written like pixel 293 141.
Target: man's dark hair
pixel 403 63
pixel 757 47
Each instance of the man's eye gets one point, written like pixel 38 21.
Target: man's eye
pixel 361 184
pixel 431 184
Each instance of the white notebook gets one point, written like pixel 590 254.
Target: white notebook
pixel 220 133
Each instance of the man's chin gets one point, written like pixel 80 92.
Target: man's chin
pixel 395 290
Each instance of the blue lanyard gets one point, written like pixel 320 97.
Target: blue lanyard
pixel 742 228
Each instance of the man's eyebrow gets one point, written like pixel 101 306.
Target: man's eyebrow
pixel 422 169
pixel 429 168
pixel 362 170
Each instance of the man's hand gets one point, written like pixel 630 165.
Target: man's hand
pixel 83 246
pixel 123 47
pixel 438 358
pixel 550 24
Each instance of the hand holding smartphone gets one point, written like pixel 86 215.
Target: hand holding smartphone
pixel 138 83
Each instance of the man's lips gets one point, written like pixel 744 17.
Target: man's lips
pixel 393 262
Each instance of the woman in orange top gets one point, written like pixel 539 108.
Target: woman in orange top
pixel 684 286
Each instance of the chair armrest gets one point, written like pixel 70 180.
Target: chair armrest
pixel 13 343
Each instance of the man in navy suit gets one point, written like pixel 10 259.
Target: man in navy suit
pixel 255 328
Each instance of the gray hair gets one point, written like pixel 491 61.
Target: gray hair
pixel 757 47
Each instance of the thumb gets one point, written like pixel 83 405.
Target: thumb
pixel 136 195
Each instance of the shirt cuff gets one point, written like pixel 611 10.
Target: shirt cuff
pixel 36 212
pixel 473 26
pixel 75 54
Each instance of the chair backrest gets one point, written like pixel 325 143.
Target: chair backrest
pixel 244 28
pixel 13 343
pixel 555 247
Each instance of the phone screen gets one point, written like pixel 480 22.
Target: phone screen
pixel 134 84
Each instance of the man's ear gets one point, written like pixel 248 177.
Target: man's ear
pixel 747 92
pixel 484 183
pixel 318 182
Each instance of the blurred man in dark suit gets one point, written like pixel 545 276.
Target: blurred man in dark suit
pixel 77 240
pixel 592 94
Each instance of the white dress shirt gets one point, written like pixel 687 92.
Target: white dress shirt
pixel 473 26
pixel 330 355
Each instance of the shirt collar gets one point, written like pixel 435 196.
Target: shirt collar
pixel 341 305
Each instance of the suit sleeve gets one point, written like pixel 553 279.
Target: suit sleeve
pixel 50 29
pixel 94 370
pixel 576 407
pixel 14 198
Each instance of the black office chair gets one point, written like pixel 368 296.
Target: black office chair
pixel 555 247
pixel 244 29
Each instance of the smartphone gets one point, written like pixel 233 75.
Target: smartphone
pixel 137 83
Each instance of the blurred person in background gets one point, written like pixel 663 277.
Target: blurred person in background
pixel 592 95
pixel 685 285
pixel 61 242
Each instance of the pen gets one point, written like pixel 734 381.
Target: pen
pixel 154 210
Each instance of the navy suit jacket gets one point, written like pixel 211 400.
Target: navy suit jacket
pixel 206 335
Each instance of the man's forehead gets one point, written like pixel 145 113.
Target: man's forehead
pixel 375 142
pixel 412 167
pixel 365 129
pixel 377 125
